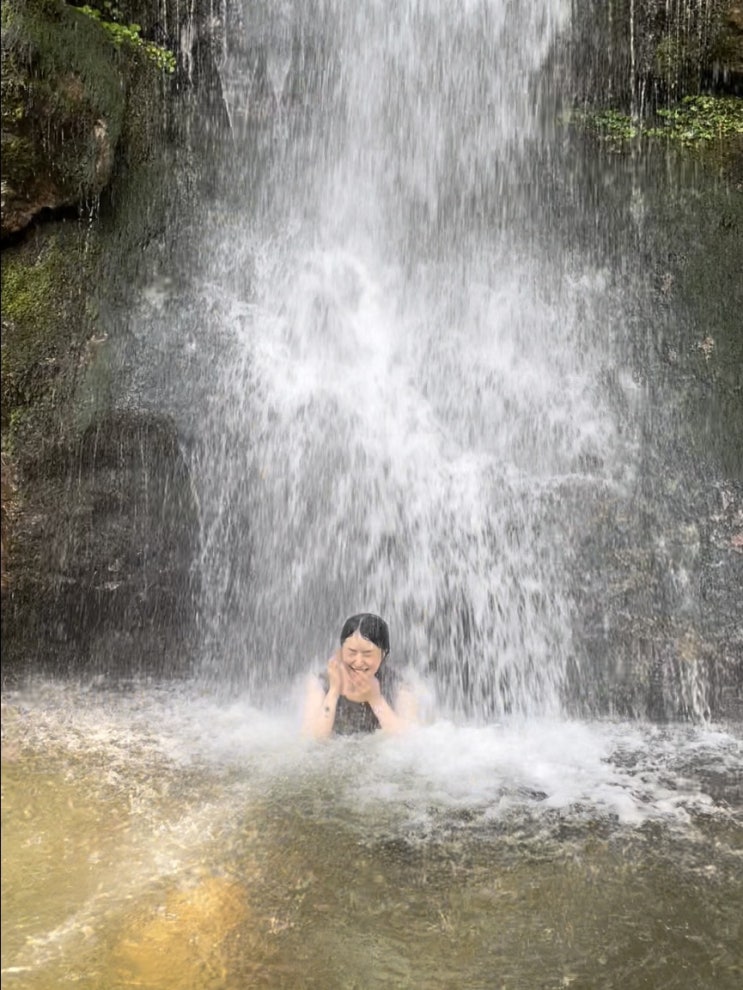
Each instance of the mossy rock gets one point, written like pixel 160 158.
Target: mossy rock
pixel 63 103
pixel 49 317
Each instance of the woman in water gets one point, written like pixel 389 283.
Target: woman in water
pixel 359 692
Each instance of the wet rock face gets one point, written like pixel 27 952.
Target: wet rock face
pixel 80 106
pixel 727 56
pixel 99 521
pixel 103 565
pixel 657 606
pixel 63 101
pixel 651 51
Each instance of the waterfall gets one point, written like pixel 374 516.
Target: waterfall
pixel 407 407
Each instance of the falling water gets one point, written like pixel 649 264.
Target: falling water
pixel 411 378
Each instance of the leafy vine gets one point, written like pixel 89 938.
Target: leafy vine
pixel 128 35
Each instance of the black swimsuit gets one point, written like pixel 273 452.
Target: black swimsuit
pixel 356 716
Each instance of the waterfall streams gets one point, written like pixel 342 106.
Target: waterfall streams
pixel 412 379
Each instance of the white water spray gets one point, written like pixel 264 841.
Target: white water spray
pixel 413 376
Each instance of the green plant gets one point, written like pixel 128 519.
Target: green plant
pixel 694 121
pixel 698 119
pixel 611 126
pixel 614 125
pixel 128 35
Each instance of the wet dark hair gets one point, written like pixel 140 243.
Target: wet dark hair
pixel 371 627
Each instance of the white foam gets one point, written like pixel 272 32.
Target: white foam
pixel 630 772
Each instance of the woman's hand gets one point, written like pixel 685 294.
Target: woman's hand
pixel 361 686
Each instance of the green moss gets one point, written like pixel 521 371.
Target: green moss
pixel 670 58
pixel 27 289
pixel 46 319
pixel 679 59
pixel 74 88
pixel 19 157
pixel 45 41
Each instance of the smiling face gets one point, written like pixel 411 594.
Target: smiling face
pixel 361 654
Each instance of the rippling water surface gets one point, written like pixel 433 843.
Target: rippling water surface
pixel 158 838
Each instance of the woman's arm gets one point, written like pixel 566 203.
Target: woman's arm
pixel 395 719
pixel 319 710
pixel 320 705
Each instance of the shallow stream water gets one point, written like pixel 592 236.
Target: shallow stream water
pixel 154 837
